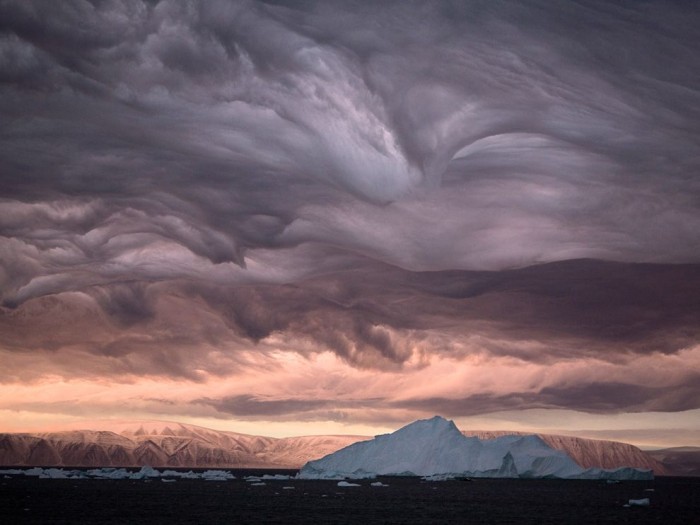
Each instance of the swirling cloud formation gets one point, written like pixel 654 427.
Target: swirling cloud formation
pixel 503 195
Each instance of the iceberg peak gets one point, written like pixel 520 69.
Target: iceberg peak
pixel 433 427
pixel 435 446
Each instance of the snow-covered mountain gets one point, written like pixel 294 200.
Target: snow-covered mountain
pixel 435 447
pixel 163 444
pixel 169 444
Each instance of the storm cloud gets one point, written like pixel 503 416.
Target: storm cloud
pixel 199 191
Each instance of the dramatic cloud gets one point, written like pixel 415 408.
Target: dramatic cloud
pixel 220 193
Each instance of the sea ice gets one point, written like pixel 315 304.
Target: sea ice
pixel 145 473
pixel 644 502
pixel 217 475
pixel 108 473
pixel 346 484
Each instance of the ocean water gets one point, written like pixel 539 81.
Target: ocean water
pixel 404 500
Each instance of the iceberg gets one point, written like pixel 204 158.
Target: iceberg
pixel 435 448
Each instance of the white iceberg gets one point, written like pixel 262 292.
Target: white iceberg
pixel 436 448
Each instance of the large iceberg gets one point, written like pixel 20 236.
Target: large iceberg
pixel 435 447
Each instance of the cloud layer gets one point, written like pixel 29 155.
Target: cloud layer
pixel 218 193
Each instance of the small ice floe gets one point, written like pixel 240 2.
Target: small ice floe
pixel 644 502
pixel 268 477
pixel 438 477
pixel 378 484
pixel 289 487
pixel 53 473
pixel 258 484
pixel 276 477
pixel 168 480
pixel 109 473
pixel 612 481
pixel 145 473
pixel 217 475
pixel 347 484
pixel 13 471
pixel 648 490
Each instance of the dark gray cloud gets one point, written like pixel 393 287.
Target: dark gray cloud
pixel 596 397
pixel 377 179
pixel 252 406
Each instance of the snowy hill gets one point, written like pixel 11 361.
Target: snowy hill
pixel 169 444
pixel 163 444
pixel 681 461
pixel 435 446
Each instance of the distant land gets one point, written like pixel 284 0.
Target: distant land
pixel 171 444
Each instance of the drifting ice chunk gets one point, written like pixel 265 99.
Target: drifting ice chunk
pixel 276 477
pixel 346 484
pixel 109 473
pixel 53 473
pixel 644 502
pixel 145 472
pixel 217 475
pixel 439 477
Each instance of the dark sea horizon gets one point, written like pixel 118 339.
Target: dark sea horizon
pixel 403 500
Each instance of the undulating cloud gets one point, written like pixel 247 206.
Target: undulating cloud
pixel 219 194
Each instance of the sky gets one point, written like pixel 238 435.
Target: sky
pixel 287 218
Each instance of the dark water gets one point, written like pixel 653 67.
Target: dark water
pixel 405 500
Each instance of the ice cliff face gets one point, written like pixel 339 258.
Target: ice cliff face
pixel 435 446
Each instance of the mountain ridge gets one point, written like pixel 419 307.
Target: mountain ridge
pixel 133 443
